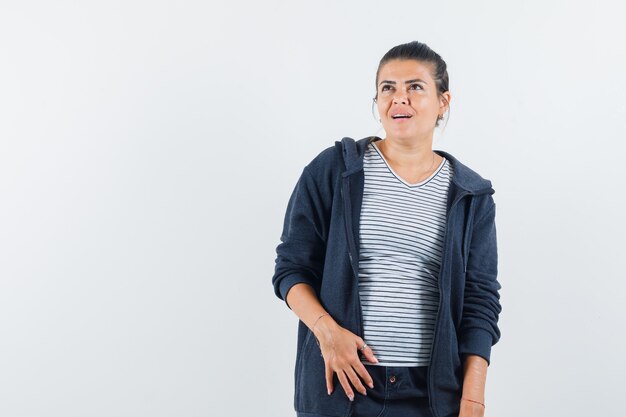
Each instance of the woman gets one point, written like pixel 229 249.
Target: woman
pixel 388 257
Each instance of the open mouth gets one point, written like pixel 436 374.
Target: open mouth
pixel 401 116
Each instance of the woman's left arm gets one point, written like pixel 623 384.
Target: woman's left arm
pixel 479 329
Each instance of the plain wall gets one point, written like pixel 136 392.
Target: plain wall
pixel 148 150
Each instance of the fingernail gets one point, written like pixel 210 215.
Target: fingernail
pixel 371 385
pixel 351 397
pixel 328 392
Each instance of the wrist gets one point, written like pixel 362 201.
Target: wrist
pixel 323 327
pixel 474 401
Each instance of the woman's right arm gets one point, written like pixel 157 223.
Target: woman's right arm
pixel 338 345
pixel 298 276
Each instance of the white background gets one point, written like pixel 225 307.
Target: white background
pixel 148 150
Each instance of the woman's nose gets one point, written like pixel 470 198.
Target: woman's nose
pixel 399 100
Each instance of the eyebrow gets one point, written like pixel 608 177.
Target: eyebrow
pixel 406 82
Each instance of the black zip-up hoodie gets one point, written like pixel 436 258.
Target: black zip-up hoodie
pixel 320 246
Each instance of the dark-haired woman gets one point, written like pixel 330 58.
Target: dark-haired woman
pixel 388 256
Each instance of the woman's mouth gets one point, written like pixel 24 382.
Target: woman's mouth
pixel 400 116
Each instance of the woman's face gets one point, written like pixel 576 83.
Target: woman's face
pixel 406 87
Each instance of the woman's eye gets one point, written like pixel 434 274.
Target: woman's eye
pixel 416 85
pixel 385 87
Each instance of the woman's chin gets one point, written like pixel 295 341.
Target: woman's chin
pixel 402 132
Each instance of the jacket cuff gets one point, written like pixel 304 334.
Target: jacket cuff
pixel 476 341
pixel 289 281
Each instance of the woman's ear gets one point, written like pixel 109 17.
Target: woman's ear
pixel 444 101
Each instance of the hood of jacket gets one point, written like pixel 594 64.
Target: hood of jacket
pixel 464 177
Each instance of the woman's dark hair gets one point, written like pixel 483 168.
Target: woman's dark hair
pixel 421 52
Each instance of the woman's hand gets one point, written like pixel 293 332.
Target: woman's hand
pixel 340 349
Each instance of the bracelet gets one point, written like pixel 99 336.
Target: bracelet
pixel 477 402
pixel 315 324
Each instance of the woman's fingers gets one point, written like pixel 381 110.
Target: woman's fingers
pixel 329 378
pixel 362 372
pixel 345 384
pixel 356 381
pixel 369 354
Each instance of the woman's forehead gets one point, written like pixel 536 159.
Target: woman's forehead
pixel 405 69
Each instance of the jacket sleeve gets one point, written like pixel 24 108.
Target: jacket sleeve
pixel 300 255
pixel 479 324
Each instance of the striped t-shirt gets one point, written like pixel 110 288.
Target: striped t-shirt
pixel 401 242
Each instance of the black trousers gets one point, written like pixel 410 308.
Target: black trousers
pixel 397 392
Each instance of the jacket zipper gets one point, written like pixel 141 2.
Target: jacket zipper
pixel 345 194
pixel 430 367
pixel 358 302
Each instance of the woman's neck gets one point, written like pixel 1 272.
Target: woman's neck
pixel 404 153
